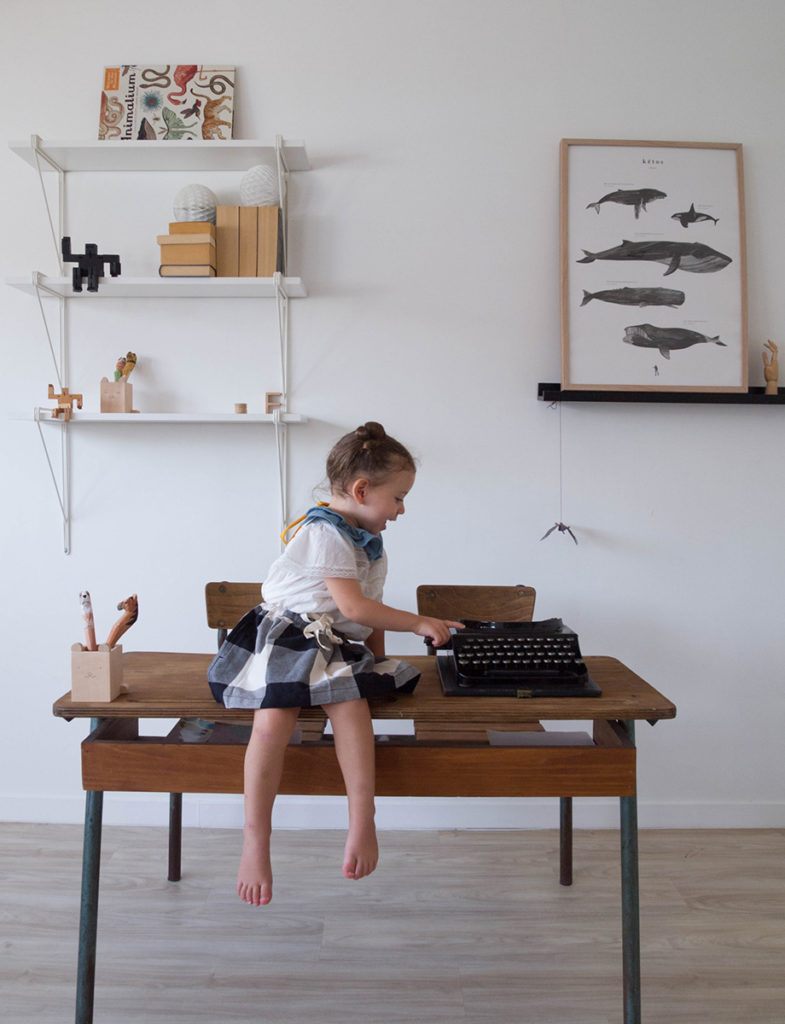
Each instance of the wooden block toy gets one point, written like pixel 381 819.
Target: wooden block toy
pixel 65 402
pixel 117 395
pixel 272 400
pixel 96 675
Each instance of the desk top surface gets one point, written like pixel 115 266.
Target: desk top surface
pixel 162 685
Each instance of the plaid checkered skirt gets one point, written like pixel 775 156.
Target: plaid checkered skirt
pixel 290 660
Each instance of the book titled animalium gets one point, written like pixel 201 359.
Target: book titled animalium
pixel 167 101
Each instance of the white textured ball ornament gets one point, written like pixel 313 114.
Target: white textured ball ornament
pixel 195 202
pixel 259 186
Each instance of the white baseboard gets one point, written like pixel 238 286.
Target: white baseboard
pixel 302 812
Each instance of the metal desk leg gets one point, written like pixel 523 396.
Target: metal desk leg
pixel 631 938
pixel 88 921
pixel 175 835
pixel 565 840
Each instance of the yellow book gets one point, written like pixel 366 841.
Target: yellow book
pixel 268 240
pixel 227 240
pixel 192 239
pixel 203 252
pixel 191 227
pixel 248 243
pixel 180 270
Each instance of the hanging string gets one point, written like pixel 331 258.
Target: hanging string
pixel 561 526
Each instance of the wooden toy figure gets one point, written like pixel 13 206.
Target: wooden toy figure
pixel 119 366
pixel 770 367
pixel 90 264
pixel 65 402
pixel 129 364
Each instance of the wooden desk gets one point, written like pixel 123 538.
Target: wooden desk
pixel 448 756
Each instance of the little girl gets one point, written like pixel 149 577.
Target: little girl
pixel 318 639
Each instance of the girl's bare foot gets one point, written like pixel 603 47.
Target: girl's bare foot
pixel 361 852
pixel 255 877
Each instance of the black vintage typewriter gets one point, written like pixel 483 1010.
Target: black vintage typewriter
pixel 514 659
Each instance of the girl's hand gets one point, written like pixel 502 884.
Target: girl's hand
pixel 436 630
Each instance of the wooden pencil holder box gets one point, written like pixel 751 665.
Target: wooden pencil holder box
pixel 96 675
pixel 116 395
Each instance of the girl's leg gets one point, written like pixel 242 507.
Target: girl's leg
pixel 354 746
pixel 272 730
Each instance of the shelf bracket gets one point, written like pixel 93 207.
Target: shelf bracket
pixel 39 154
pixel 63 487
pixel 283 178
pixel 281 434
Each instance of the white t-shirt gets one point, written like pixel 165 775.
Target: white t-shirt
pixel 318 551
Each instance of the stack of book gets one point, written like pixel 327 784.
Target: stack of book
pixel 188 250
pixel 249 241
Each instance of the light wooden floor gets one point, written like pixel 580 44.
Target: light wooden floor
pixel 453 926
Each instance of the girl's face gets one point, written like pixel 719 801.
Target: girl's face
pixel 376 505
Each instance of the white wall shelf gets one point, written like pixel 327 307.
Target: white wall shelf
pixel 43 414
pixel 159 155
pixel 237 155
pixel 164 287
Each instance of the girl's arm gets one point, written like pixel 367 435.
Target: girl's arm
pixel 375 643
pixel 354 605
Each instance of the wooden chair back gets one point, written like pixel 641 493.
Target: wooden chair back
pixel 494 604
pixel 228 602
pixel 501 604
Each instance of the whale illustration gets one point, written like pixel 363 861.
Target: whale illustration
pixel 666 339
pixel 694 257
pixel 637 197
pixel 637 296
pixel 691 216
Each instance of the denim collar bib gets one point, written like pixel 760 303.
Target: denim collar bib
pixel 371 543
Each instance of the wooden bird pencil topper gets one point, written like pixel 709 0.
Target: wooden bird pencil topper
pixel 130 609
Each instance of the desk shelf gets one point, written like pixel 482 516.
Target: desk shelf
pixel 754 396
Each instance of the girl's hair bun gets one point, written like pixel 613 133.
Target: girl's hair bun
pixel 367 451
pixel 370 434
pixel 371 431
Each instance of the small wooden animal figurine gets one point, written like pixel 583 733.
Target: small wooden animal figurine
pixel 89 264
pixel 119 366
pixel 65 402
pixel 129 364
pixel 770 367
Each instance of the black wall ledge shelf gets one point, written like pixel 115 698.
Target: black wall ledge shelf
pixel 754 396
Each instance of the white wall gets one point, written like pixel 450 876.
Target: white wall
pixel 426 233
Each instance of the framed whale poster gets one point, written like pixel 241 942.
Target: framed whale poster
pixel 653 284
